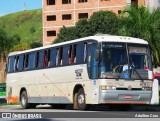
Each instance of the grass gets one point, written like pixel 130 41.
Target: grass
pixel 27 24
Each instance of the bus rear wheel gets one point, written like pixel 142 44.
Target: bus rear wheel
pixel 24 100
pixel 80 100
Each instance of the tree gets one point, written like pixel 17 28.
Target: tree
pixel 21 47
pixel 36 44
pixel 105 22
pixel 139 22
pixel 82 28
pixel 6 43
pixel 66 34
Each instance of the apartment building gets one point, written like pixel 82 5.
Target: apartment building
pixel 59 13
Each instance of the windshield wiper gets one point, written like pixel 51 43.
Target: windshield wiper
pixel 120 74
pixel 133 69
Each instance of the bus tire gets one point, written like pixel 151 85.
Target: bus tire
pixel 24 100
pixel 75 106
pixel 81 100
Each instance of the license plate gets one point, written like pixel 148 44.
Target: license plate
pixel 128 97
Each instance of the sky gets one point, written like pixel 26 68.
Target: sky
pixel 11 6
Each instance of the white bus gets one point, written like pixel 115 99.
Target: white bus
pixel 100 69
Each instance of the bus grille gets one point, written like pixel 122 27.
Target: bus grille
pixel 127 89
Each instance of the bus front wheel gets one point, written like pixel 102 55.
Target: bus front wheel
pixel 80 100
pixel 24 100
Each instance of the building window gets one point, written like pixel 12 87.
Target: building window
pixel 83 15
pixel 50 2
pixel 82 1
pixel 51 33
pixel 66 17
pixel 51 18
pixel 66 1
pixel 134 2
pixel 119 11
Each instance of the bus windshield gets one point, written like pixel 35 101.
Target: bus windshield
pixel 124 61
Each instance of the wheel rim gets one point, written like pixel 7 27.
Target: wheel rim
pixel 23 100
pixel 81 99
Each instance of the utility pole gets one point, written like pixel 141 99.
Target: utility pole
pixel 25 8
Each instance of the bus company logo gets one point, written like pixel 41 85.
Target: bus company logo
pixel 6 115
pixel 21 115
pixel 129 87
pixel 78 73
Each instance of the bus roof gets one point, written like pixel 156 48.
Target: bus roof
pixel 98 38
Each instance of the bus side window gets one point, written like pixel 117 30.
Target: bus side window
pixel 65 55
pixel 41 59
pixel 70 55
pixel 45 59
pixel 85 52
pixel 48 59
pixel 26 57
pixel 16 61
pixel 60 56
pixel 74 53
pixel 92 64
pixel 20 64
pixel 32 57
pixel 11 64
pixel 37 60
pixel 57 56
pixel 80 53
pixel 53 57
pixel 14 64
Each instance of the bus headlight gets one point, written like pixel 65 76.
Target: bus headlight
pixel 103 87
pixel 147 88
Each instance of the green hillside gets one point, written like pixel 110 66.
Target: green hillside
pixel 27 24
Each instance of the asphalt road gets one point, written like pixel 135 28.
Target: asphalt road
pixel 45 111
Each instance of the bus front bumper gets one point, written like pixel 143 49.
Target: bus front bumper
pixel 124 97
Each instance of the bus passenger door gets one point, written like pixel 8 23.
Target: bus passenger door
pixel 92 64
